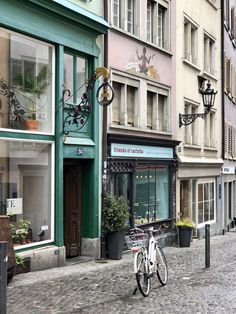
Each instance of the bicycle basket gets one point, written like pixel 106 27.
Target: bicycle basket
pixel 136 241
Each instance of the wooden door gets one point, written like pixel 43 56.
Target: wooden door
pixel 72 208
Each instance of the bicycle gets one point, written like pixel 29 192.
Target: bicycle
pixel 148 258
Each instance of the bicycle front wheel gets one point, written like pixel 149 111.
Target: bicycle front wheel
pixel 142 276
pixel 161 266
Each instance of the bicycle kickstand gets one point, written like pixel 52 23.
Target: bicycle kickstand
pixel 135 290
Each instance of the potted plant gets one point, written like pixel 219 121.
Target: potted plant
pixel 33 88
pixel 115 221
pixel 21 232
pixel 185 227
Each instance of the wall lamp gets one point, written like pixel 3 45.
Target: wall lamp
pixel 208 98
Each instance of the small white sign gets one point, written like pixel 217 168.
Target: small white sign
pixel 14 206
pixel 228 170
pixel 44 228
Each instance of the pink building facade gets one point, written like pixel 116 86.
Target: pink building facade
pixel 141 160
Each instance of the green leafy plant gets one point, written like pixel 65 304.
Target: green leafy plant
pixel 20 230
pixel 19 260
pixel 185 222
pixel 115 214
pixel 35 84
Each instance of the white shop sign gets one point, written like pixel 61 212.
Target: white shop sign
pixel 228 170
pixel 14 206
pixel 126 150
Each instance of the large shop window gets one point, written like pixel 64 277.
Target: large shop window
pixel 26 83
pixel 206 202
pixel 151 194
pixel 26 190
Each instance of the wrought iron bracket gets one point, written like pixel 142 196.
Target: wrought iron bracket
pixel 186 119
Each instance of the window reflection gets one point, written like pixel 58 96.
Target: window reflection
pixel 25 189
pixel 26 72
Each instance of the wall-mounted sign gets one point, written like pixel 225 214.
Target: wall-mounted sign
pixel 228 170
pixel 126 150
pixel 79 151
pixel 14 206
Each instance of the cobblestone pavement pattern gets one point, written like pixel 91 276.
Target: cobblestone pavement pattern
pixel 108 288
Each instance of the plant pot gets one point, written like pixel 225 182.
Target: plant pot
pixel 185 236
pixel 32 125
pixel 24 268
pixel 115 244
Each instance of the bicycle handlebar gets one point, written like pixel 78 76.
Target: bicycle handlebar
pixel 162 226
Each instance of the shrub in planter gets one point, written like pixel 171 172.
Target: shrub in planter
pixel 115 221
pixel 185 227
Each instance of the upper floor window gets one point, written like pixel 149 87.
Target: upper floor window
pixel 229 78
pixel 158 111
pixel 210 128
pixel 230 141
pixel 190 41
pixel 26 84
pixel 157 17
pixel 191 134
pixel 126 103
pixel 209 54
pixel 125 15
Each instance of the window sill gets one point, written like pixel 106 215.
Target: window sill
pixel 186 61
pixel 211 149
pixel 127 34
pixel 196 147
pixel 131 128
pixel 210 75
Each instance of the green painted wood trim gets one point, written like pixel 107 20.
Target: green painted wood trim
pixel 72 151
pixel 59 200
pixel 97 161
pixel 75 13
pixel 33 19
pixel 26 136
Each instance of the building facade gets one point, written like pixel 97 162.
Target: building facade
pixel 198 60
pixel 229 113
pixel 141 160
pixel 50 172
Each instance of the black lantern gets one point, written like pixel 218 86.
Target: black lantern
pixel 208 97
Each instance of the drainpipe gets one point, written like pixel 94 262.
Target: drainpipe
pixel 104 135
pixel 222 81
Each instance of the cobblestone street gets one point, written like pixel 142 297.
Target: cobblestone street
pixel 95 287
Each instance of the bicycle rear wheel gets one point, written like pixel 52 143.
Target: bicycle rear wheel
pixel 142 276
pixel 161 266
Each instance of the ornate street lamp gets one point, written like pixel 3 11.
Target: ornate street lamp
pixel 208 98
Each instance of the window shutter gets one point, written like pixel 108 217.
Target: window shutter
pixel 130 105
pixel 149 109
pixel 225 72
pixel 116 103
pixel 226 140
pixel 232 21
pixel 230 141
pixel 234 27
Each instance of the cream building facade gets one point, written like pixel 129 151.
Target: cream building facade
pixel 198 62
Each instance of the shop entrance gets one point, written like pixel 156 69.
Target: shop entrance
pixel 72 207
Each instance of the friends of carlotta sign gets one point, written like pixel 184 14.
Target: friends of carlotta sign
pixel 126 150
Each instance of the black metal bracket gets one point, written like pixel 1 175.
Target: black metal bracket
pixel 186 119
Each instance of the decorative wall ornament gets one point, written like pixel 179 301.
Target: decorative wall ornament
pixel 77 115
pixel 141 63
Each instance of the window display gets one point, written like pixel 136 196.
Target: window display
pixel 151 194
pixel 26 189
pixel 26 88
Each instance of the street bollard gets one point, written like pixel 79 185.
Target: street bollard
pixel 3 277
pixel 207 245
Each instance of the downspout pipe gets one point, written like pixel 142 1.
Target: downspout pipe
pixel 222 82
pixel 104 135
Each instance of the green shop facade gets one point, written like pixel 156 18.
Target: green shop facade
pixel 49 159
